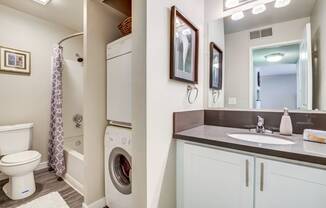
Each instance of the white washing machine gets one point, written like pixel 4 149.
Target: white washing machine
pixel 118 167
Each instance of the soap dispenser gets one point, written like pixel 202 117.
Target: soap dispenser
pixel 286 124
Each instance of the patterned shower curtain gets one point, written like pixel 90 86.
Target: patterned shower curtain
pixel 56 157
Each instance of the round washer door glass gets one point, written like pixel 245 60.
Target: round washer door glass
pixel 120 170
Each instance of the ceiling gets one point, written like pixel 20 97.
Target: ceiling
pixel 291 55
pixel 278 69
pixel 297 9
pixel 68 13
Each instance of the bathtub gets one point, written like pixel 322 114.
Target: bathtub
pixel 73 151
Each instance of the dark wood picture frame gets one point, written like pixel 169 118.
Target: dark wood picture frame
pixel 215 48
pixel 8 69
pixel 175 13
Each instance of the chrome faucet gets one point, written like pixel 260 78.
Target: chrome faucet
pixel 260 125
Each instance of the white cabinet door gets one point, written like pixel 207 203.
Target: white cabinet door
pixel 119 88
pixel 283 185
pixel 210 178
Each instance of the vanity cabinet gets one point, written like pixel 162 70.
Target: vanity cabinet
pixel 212 178
pixel 280 184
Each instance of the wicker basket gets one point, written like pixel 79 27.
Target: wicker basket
pixel 125 26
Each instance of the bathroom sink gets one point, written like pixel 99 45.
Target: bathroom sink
pixel 261 139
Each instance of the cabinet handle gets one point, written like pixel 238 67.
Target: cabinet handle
pixel 262 177
pixel 247 173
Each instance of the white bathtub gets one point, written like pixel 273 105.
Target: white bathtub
pixel 74 157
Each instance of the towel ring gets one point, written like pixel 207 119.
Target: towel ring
pixel 216 94
pixel 190 90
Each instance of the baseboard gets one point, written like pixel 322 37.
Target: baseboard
pixel 41 166
pixel 74 183
pixel 97 204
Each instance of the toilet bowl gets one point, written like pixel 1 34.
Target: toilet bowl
pixel 19 168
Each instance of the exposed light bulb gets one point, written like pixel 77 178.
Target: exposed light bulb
pixel 43 2
pixel 259 9
pixel 231 3
pixel 237 16
pixel 281 3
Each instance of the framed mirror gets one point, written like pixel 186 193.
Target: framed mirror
pixel 184 48
pixel 216 67
pixel 274 54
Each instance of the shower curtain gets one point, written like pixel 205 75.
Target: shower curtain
pixel 56 157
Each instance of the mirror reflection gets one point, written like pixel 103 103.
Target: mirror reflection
pixel 274 51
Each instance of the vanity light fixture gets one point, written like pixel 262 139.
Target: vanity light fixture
pixel 237 16
pixel 281 3
pixel 259 9
pixel 274 57
pixel 43 2
pixel 231 3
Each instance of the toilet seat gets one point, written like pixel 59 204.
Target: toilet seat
pixel 20 158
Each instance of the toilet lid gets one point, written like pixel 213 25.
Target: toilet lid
pixel 21 157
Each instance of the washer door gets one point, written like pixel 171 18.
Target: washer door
pixel 120 170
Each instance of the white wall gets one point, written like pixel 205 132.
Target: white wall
pixel 165 96
pixel 139 104
pixel 100 23
pixel 237 47
pixel 214 32
pixel 318 26
pixel 279 91
pixel 27 98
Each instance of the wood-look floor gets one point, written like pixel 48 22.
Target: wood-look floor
pixel 46 182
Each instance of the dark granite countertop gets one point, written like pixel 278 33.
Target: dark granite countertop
pixel 218 136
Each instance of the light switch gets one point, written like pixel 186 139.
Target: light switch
pixel 232 100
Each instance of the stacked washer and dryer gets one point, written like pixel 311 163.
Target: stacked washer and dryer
pixel 118 134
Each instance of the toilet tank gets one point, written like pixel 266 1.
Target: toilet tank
pixel 15 138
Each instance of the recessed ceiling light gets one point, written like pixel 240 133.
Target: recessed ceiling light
pixel 259 9
pixel 274 57
pixel 43 2
pixel 281 3
pixel 231 3
pixel 237 16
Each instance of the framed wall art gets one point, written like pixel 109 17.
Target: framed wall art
pixel 184 48
pixel 15 61
pixel 216 67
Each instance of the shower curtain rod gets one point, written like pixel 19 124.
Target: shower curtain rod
pixel 70 36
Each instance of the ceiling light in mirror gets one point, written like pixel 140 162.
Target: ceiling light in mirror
pixel 282 3
pixel 259 9
pixel 275 57
pixel 43 2
pixel 237 16
pixel 231 3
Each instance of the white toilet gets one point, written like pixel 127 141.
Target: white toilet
pixel 18 162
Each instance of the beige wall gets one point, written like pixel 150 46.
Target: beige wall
pixel 27 98
pixel 318 26
pixel 165 96
pixel 237 46
pixel 139 104
pixel 100 24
